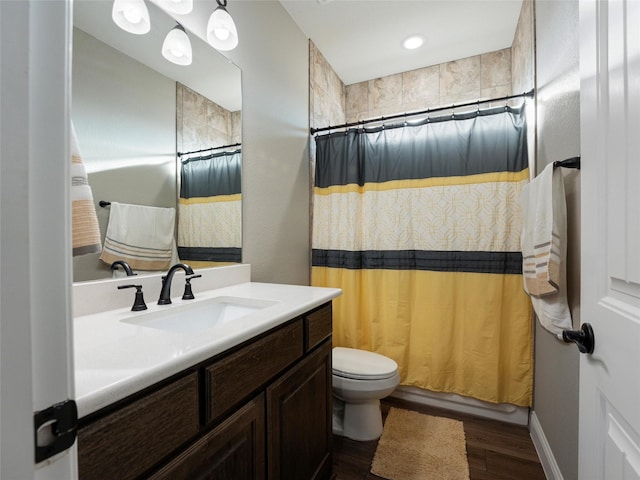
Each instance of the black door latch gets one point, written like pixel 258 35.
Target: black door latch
pixel 63 420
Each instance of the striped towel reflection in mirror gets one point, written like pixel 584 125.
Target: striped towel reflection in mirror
pixel 85 229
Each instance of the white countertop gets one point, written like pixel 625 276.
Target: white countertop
pixel 114 359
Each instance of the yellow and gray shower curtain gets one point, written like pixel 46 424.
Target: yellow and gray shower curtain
pixel 210 209
pixel 419 225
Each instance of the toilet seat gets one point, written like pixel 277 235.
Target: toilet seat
pixel 362 365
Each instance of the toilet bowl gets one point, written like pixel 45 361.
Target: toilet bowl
pixel 360 380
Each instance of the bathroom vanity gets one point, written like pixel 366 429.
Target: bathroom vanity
pixel 253 401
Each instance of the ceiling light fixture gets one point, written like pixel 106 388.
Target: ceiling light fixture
pixel 180 7
pixel 221 31
pixel 413 42
pixel 176 46
pixel 131 16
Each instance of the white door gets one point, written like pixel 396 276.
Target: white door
pixel 35 248
pixel 610 270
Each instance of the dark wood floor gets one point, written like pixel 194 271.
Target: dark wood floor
pixel 495 450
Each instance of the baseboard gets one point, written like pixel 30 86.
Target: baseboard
pixel 548 461
pixel 450 401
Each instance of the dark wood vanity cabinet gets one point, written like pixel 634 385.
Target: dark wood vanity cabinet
pixel 299 419
pixel 260 411
pixel 233 450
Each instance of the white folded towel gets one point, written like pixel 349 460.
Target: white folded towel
pixel 142 236
pixel 544 249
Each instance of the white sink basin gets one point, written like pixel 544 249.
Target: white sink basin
pixel 199 316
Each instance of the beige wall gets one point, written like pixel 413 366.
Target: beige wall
pixel 558 129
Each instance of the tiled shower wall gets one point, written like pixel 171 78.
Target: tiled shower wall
pixel 523 52
pixel 468 79
pixel 464 80
pixel 202 123
pixel 490 75
pixel 327 93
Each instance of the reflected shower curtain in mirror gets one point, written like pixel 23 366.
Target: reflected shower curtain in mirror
pixel 209 209
pixel 419 225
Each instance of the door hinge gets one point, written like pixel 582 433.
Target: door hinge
pixel 55 429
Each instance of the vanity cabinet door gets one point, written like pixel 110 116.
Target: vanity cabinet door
pixel 299 420
pixel 234 450
pixel 128 442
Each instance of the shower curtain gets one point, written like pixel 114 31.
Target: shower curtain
pixel 209 209
pixel 419 225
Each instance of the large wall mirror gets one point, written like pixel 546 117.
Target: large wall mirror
pixel 133 112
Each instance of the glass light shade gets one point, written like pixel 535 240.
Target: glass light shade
pixel 131 16
pixel 176 46
pixel 180 7
pixel 221 31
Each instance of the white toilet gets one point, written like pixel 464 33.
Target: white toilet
pixel 360 380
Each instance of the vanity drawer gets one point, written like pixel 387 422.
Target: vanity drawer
pixel 318 326
pixel 232 378
pixel 131 440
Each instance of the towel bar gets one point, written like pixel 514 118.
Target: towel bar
pixel 104 203
pixel 573 162
pixel 583 338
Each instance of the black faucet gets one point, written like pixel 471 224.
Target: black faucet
pixel 165 293
pixel 125 267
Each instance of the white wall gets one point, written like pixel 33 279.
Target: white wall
pixel 274 58
pixel 558 122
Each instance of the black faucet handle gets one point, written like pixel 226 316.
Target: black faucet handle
pixel 188 294
pixel 138 302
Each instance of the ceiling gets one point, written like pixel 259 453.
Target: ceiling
pixel 362 39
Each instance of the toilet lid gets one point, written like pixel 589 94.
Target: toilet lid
pixel 363 365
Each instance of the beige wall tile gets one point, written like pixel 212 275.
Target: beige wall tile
pixel 421 87
pixel 327 92
pixel 357 98
pixel 522 51
pixel 460 76
pixel 385 92
pixel 203 123
pixel 495 68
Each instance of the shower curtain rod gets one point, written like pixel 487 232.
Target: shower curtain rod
pixel 209 149
pixel 422 112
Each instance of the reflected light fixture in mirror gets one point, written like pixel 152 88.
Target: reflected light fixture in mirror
pixel 131 15
pixel 176 46
pixel 180 7
pixel 221 31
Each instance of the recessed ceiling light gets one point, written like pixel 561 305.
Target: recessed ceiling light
pixel 413 42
